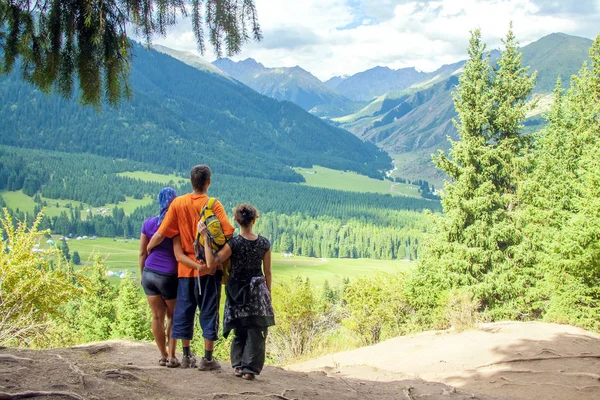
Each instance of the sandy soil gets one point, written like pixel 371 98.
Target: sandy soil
pixel 509 360
pixel 500 361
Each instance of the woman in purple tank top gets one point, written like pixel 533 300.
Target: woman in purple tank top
pixel 158 272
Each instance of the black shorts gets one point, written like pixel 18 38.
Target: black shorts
pixel 157 284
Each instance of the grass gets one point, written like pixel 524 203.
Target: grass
pixel 55 207
pixel 122 254
pixel 25 203
pixel 353 182
pixel 318 270
pixel 152 177
pixel 418 165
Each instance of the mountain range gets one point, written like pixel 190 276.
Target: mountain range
pixel 180 116
pixel 186 110
pixel 415 122
pixel 292 84
pixel 406 112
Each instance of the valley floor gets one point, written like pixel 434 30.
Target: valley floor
pixel 498 361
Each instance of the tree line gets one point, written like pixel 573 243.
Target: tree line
pixel 305 220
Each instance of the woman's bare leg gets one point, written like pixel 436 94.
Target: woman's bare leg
pixel 172 342
pixel 159 309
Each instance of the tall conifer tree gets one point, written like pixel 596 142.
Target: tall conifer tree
pixel 476 239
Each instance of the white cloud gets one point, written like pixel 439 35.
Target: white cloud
pixel 341 37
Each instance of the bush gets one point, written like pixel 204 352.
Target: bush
pixel 299 324
pixel 461 310
pixel 376 305
pixel 132 313
pixel 34 286
pixel 92 315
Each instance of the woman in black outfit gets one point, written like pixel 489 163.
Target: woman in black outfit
pixel 248 308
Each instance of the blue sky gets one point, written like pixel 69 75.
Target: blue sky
pixel 342 37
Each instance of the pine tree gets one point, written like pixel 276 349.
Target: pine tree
pixel 64 249
pixel 60 40
pixel 476 241
pixel 131 318
pixel 76 258
pixel 94 313
pixel 562 201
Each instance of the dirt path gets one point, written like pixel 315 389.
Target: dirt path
pixel 504 360
pixel 127 370
pixel 500 362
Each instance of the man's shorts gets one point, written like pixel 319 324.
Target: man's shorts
pixel 189 298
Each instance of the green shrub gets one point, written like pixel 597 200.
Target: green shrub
pixel 132 313
pixel 376 305
pixel 461 310
pixel 299 324
pixel 34 286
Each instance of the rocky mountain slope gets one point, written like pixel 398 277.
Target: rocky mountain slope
pixel 292 84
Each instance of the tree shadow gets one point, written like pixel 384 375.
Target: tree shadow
pixel 558 366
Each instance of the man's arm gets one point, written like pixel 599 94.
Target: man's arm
pixel 184 259
pixel 157 239
pixel 168 228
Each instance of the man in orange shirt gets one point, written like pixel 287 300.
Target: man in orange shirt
pixel 204 293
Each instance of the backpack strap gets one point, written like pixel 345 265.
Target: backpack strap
pixel 208 206
pixel 210 203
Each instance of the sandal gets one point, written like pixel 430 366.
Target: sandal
pixel 173 363
pixel 238 372
pixel 248 376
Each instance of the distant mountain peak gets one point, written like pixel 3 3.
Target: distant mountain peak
pixel 293 84
pixel 251 61
pixel 190 59
pixel 376 81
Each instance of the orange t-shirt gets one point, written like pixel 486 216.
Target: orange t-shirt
pixel 182 219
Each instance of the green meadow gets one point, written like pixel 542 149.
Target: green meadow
pixel 54 207
pixel 121 254
pixel 152 177
pixel 353 182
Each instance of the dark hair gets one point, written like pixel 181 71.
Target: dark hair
pixel 245 214
pixel 200 177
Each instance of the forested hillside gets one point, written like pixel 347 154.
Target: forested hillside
pixel 180 116
pixel 419 118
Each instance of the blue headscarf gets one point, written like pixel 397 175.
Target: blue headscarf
pixel 165 198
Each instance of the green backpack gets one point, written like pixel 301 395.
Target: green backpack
pixel 216 234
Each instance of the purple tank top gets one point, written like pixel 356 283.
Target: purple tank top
pixel 162 259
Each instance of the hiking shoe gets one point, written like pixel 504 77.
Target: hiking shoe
pixel 173 363
pixel 248 376
pixel 238 372
pixel 188 362
pixel 211 365
pixel 162 361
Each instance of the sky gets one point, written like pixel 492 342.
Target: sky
pixel 343 37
